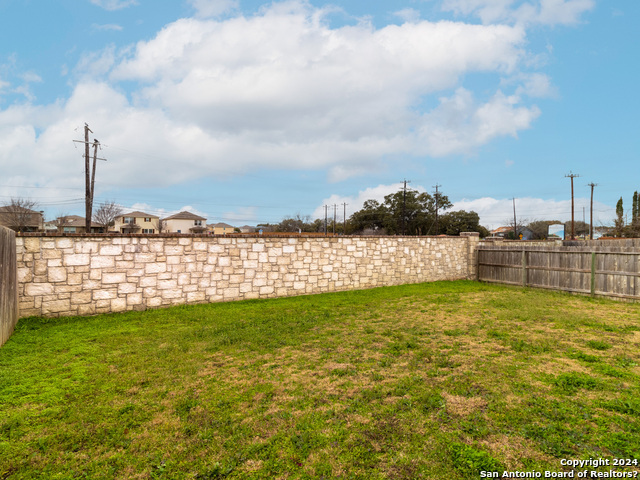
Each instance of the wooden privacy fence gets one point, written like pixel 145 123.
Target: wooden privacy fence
pixel 8 284
pixel 594 270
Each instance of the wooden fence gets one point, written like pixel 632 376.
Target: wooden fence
pixel 8 284
pixel 593 268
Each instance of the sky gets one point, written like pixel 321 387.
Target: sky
pixel 248 112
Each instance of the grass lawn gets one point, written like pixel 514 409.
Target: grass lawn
pixel 440 380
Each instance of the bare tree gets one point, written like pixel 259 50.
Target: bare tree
pixel 106 214
pixel 162 225
pixel 19 215
pixel 60 221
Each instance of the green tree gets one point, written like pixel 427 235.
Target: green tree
pixel 416 213
pixel 372 216
pixel 454 223
pixel 619 222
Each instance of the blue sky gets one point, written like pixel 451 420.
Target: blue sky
pixel 247 112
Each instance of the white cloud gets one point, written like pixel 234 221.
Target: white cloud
pixel 280 89
pixel 213 8
pixel 460 124
pixel 239 217
pixel 114 4
pixel 499 212
pixel 106 27
pixel 410 15
pixel 162 212
pixel 493 212
pixel 355 203
pixel 548 12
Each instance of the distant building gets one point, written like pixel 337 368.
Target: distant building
pixel 503 232
pixel 71 224
pixel 21 219
pixel 185 222
pixel 221 228
pixel 248 229
pixel 136 222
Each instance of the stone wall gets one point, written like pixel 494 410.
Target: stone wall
pixel 84 275
pixel 8 284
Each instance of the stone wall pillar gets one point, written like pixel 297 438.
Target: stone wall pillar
pixel 473 240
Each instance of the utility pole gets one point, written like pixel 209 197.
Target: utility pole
pixel 325 219
pixel 89 175
pixel 572 176
pixel 515 223
pixel 437 227
pixel 591 212
pixel 87 195
pixel 334 218
pixel 404 204
pixel 96 143
pixel 344 232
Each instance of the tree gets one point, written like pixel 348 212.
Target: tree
pixel 19 215
pixel 515 230
pixel 60 221
pixel 619 222
pixel 106 214
pixel 295 224
pixel 372 216
pixel 540 228
pixel 453 223
pixel 415 213
pixel 580 228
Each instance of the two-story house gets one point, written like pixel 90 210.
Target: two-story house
pixel 21 219
pixel 71 224
pixel 184 222
pixel 136 222
pixel 221 228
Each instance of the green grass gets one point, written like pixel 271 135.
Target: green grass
pixel 439 380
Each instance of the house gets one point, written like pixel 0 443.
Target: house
pixel 184 222
pixel 21 219
pixel 71 224
pixel 248 229
pixel 221 228
pixel 507 232
pixel 136 222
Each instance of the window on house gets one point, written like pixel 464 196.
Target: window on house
pixel 197 223
pixel 147 219
pixel 129 220
pixel 148 230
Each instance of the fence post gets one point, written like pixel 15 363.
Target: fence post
pixel 524 268
pixel 593 274
pixel 8 284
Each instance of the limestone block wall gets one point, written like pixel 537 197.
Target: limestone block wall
pixel 85 275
